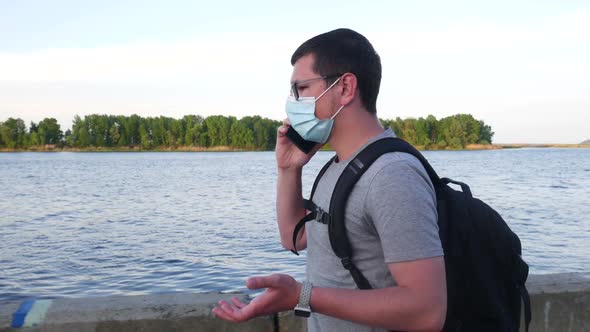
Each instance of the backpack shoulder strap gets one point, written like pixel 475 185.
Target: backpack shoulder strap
pixel 399 145
pixel 349 177
pixel 320 174
pixel 309 205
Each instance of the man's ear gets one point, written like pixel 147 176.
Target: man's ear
pixel 349 91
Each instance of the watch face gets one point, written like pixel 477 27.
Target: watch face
pixel 302 312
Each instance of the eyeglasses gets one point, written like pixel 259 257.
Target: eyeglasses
pixel 295 92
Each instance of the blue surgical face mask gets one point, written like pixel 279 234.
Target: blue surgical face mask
pixel 301 114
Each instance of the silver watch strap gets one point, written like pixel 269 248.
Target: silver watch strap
pixel 305 295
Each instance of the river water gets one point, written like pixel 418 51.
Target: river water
pixel 96 224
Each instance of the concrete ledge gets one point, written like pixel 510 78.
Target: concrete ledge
pixel 560 302
pixel 158 312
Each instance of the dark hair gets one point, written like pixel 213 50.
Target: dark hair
pixel 346 51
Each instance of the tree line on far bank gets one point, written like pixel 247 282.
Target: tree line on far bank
pixel 247 133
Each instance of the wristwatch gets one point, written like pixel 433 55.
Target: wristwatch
pixel 303 309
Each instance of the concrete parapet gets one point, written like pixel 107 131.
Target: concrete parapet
pixel 288 322
pixel 560 302
pixel 151 313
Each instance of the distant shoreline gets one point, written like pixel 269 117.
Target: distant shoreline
pixel 528 145
pixel 128 149
pixel 469 147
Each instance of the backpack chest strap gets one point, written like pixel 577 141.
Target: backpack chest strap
pixel 317 214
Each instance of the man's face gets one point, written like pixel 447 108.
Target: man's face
pixel 302 71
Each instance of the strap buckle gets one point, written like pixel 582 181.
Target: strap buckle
pixel 322 216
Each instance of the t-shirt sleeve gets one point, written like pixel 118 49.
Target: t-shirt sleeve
pixel 401 204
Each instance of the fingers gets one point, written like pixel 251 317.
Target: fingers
pixel 238 303
pixel 273 280
pixel 256 282
pixel 221 314
pixel 223 311
pixel 230 312
pixel 279 296
pixel 282 131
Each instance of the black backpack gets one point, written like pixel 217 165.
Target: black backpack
pixel 484 270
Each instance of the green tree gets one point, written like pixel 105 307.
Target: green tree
pixel 159 136
pixel 98 129
pixel 250 132
pixel 80 135
pixel 34 139
pixel 193 129
pixel 398 127
pixel 241 136
pixel 176 132
pixel 146 142
pixel 409 131
pixel 486 134
pixel 265 132
pixel 131 125
pixel 2 134
pixel 67 137
pixel 120 121
pixel 261 136
pixel 49 131
pixel 218 127
pixel 115 134
pixel 431 125
pixel 426 131
pixel 455 133
pixel 13 133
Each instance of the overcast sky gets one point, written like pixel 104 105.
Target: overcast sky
pixel 522 67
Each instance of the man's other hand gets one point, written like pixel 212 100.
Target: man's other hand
pixel 281 294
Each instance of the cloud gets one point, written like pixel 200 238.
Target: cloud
pixel 478 68
pixel 212 57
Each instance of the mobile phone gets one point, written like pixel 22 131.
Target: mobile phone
pixel 303 145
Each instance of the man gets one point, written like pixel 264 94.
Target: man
pixel 390 215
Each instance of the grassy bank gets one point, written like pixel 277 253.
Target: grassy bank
pixel 127 149
pixel 469 147
pixel 517 146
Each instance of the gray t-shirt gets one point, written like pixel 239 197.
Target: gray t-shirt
pixel 390 217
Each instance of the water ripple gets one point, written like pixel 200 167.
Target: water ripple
pixel 97 224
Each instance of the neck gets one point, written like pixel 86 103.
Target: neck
pixel 353 130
